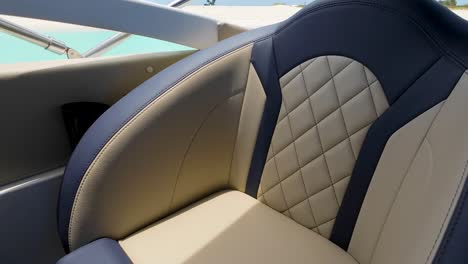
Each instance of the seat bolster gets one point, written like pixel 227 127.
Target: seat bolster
pixel 409 213
pixel 101 251
pixel 126 157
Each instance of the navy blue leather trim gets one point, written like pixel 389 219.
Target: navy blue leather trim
pixel 392 45
pixel 126 108
pixel 101 251
pixel 396 39
pixel 431 88
pixel 454 246
pixel 263 59
pixel 394 49
pixel 448 31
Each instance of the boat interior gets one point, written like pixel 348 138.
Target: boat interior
pixel 337 136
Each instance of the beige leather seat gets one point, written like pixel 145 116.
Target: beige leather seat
pixel 230 227
pixel 337 136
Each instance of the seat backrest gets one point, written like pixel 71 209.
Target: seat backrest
pixel 354 75
pixel 346 118
pixel 329 104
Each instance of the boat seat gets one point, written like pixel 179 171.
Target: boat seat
pixel 224 225
pixel 336 136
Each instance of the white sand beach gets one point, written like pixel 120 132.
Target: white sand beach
pixel 257 16
pixel 462 13
pixel 246 16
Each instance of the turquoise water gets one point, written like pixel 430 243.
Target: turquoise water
pixel 14 50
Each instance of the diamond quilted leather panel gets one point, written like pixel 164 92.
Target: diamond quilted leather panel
pixel 328 105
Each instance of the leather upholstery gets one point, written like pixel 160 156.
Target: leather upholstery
pixel 408 138
pixel 249 125
pixel 432 87
pixel 196 164
pixel 347 118
pixel 230 227
pixel 328 105
pixel 101 251
pixel 100 136
pixel 416 186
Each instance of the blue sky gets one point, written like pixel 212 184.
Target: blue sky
pixel 263 2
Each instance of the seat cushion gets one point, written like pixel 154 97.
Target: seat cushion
pixel 231 227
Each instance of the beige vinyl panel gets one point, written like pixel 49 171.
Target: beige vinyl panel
pixel 227 30
pixel 329 103
pixel 243 131
pixel 206 164
pixel 249 124
pixel 33 136
pixel 230 227
pixel 416 186
pixel 177 150
pixel 396 159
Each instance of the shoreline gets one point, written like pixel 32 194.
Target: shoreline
pixel 245 16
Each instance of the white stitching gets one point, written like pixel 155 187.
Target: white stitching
pixel 314 126
pixel 135 117
pixel 189 146
pixel 403 180
pixel 318 156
